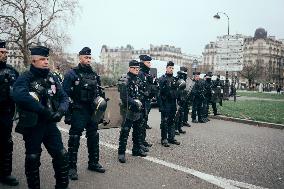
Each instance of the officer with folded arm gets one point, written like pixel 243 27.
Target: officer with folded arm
pixel 41 102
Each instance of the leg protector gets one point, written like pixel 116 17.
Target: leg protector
pixel 60 166
pixel 32 164
pixel 73 145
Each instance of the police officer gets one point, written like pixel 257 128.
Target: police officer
pixel 42 103
pixel 167 105
pixel 187 93
pixel 182 101
pixel 57 74
pixel 148 93
pixel 217 96
pixel 207 94
pixel 83 86
pixel 197 99
pixel 131 110
pixel 8 75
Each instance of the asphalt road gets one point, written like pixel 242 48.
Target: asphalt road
pixel 217 154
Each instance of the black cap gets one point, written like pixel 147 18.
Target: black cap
pixel 170 63
pixel 85 51
pixel 208 75
pixel 196 73
pixel 2 44
pixel 144 57
pixel 134 63
pixel 183 70
pixel 40 51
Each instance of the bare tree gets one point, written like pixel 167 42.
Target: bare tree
pixel 251 71
pixel 25 22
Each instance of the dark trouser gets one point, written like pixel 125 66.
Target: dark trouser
pixel 205 108
pixel 179 118
pixel 185 114
pixel 81 119
pixel 167 126
pixel 6 144
pixel 214 107
pixel 124 133
pixel 50 136
pixel 145 115
pixel 196 108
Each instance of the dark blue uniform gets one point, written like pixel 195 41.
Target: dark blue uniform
pixel 148 89
pixel 197 100
pixel 8 75
pixel 168 108
pixel 208 96
pixel 38 117
pixel 82 85
pixel 131 110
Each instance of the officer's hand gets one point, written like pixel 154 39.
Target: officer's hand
pixel 57 116
pixel 47 113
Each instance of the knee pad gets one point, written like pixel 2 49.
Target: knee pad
pixel 125 129
pixel 33 159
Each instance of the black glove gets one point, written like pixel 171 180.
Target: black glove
pixel 46 113
pixel 57 116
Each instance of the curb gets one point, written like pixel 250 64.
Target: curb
pixel 249 122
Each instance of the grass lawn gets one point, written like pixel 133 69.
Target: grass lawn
pixel 260 95
pixel 257 110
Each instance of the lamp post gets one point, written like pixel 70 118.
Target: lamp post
pixel 226 87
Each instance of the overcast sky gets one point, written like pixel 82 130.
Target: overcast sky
pixel 188 24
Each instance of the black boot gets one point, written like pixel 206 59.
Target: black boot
pixel 194 121
pixel 121 158
pixel 138 152
pixel 177 132
pixel 6 166
pixel 144 148
pixel 182 131
pixel 60 166
pixel 148 127
pixel 186 124
pixel 147 144
pixel 94 153
pixel 165 143
pixel 73 145
pixel 32 164
pixel 174 141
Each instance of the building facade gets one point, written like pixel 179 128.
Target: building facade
pixel 265 53
pixel 15 56
pixel 115 58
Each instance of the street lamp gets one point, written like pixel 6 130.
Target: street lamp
pixel 194 64
pixel 226 87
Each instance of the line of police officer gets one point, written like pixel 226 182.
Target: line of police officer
pixel 42 102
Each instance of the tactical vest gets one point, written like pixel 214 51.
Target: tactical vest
pixel 128 87
pixel 85 87
pixel 7 77
pixel 46 89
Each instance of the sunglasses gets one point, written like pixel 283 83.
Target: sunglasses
pixel 3 52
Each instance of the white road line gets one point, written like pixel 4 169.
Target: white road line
pixel 219 181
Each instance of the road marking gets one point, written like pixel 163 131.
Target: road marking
pixel 219 181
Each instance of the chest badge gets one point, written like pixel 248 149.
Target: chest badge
pixel 53 89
